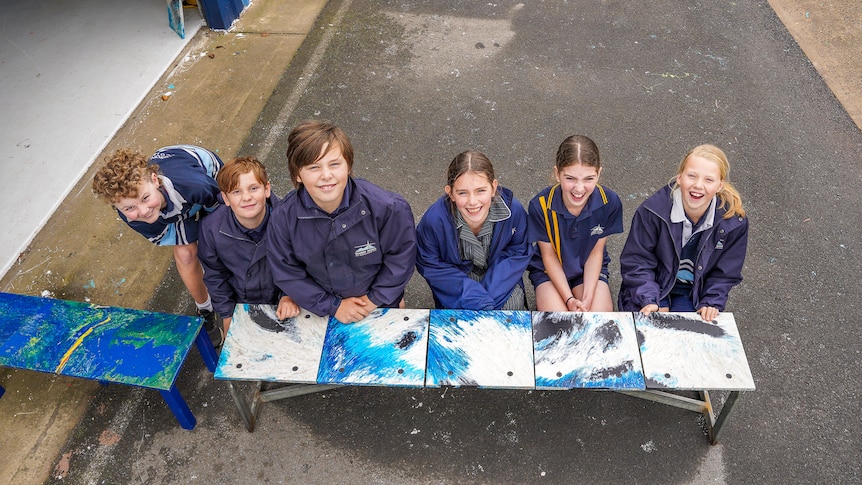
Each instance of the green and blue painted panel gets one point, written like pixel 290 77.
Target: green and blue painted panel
pixel 121 345
pixel 481 349
pixel 586 350
pixel 386 348
pixel 260 347
pixel 682 351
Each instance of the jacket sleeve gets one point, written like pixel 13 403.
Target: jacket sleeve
pixel 726 271
pixel 290 275
pixel 398 241
pixel 449 283
pixel 508 267
pixel 216 274
pixel 638 262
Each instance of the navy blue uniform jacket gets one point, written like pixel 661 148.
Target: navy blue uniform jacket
pixel 368 249
pixel 650 258
pixel 439 259
pixel 236 269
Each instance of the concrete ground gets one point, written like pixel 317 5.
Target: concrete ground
pixel 414 83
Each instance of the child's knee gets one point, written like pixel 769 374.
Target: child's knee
pixel 186 254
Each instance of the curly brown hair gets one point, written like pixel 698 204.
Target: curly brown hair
pixel 122 174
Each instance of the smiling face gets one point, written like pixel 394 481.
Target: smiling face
pixel 326 178
pixel 577 183
pixel 699 181
pixel 147 205
pixel 248 200
pixel 472 193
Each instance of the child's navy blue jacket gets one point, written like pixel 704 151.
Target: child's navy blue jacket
pixel 368 249
pixel 236 269
pixel 439 259
pixel 650 258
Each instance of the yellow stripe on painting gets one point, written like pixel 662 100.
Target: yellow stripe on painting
pixel 77 344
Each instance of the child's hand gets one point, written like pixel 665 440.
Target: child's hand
pixel 586 304
pixel 353 309
pixel 226 324
pixel 708 313
pixel 652 307
pixel 287 308
pixel 574 305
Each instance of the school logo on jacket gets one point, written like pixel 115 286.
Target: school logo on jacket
pixel 597 230
pixel 365 249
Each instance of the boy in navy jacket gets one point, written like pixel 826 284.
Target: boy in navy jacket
pixel 163 199
pixel 338 246
pixel 232 243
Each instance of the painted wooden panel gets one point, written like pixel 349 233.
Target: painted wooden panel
pixel 122 345
pixel 386 348
pixel 484 349
pixel 586 350
pixel 175 17
pixel 681 351
pixel 260 347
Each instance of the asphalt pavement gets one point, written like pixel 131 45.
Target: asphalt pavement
pixel 415 83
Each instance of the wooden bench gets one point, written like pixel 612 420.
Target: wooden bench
pixel 638 355
pixel 106 344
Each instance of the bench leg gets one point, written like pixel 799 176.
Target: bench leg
pixel 716 426
pixel 205 347
pixel 248 413
pixel 178 405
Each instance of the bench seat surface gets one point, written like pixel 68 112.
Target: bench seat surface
pixel 586 350
pixel 261 347
pixel 499 349
pixel 480 349
pixel 121 345
pixel 681 351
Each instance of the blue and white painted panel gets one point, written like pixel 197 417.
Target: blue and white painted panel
pixel 681 351
pixel 586 350
pixel 260 347
pixel 386 348
pixel 485 349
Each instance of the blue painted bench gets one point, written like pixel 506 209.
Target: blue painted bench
pixel 638 355
pixel 106 344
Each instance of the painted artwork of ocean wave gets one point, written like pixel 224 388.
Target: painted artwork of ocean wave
pixel 482 349
pixel 386 348
pixel 260 347
pixel 586 350
pixel 681 351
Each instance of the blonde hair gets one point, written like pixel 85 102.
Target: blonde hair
pixel 728 196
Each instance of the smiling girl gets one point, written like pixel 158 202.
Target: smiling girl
pixel 687 242
pixel 472 241
pixel 570 223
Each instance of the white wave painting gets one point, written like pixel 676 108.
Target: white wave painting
pixel 260 347
pixel 682 351
pixel 483 349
